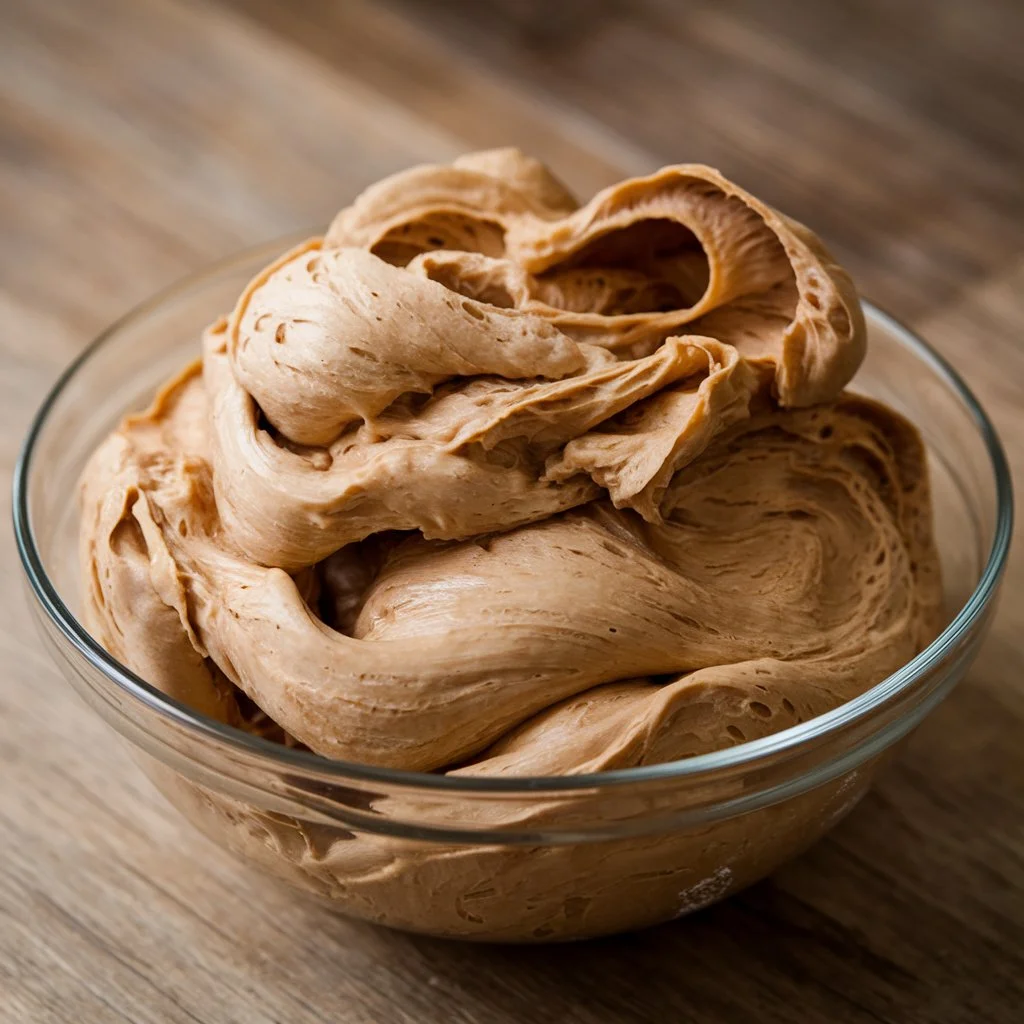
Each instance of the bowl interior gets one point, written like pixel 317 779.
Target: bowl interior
pixel 123 368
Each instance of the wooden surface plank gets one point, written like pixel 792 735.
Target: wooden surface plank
pixel 141 139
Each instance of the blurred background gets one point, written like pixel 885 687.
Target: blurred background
pixel 142 139
pixel 154 135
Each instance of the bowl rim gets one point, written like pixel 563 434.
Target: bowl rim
pixel 744 755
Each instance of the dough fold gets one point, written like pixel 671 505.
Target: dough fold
pixel 490 483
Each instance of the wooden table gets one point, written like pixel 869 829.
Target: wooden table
pixel 143 138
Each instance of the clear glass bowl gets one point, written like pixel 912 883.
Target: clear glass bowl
pixel 505 859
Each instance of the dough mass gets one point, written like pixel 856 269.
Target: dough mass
pixel 486 483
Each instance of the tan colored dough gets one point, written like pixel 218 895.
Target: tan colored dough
pixel 488 483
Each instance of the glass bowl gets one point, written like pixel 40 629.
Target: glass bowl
pixel 504 859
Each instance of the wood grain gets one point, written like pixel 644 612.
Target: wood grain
pixel 139 140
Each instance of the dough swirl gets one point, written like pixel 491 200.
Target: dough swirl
pixel 489 483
